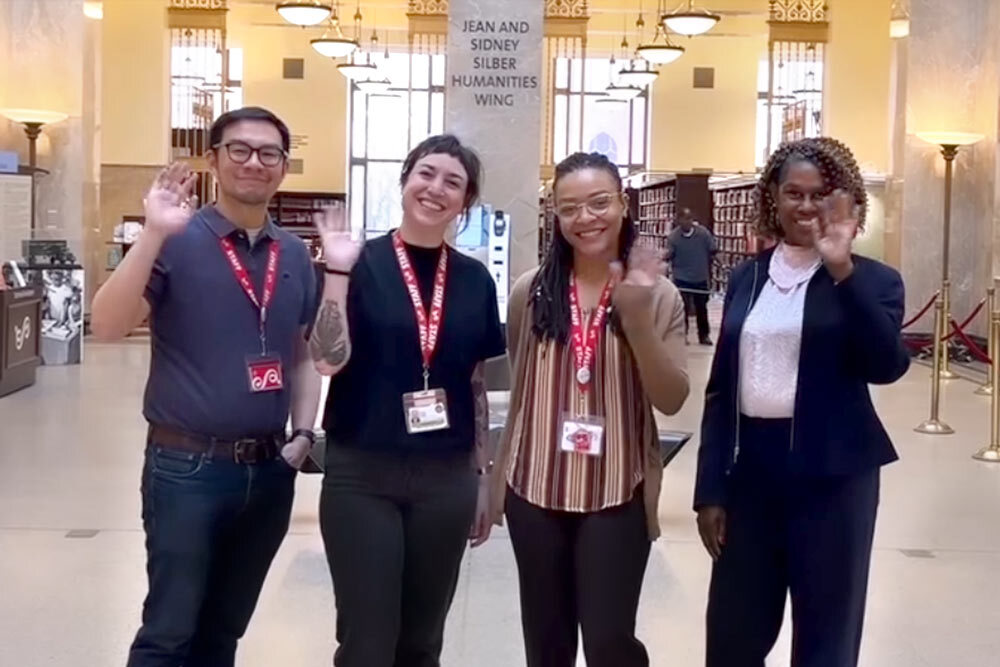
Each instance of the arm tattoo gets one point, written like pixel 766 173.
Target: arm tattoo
pixel 328 343
pixel 482 410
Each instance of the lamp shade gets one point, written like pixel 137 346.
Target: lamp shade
pixel 304 12
pixel 357 71
pixel 659 54
pixel 374 85
pixel 637 77
pixel 899 27
pixel 39 116
pixel 690 22
pixel 623 92
pixel 334 47
pixel 950 138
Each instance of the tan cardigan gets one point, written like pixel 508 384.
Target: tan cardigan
pixel 653 321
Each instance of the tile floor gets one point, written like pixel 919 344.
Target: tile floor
pixel 71 545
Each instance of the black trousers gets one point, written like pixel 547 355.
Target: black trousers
pixel 811 537
pixel 580 570
pixel 395 527
pixel 696 303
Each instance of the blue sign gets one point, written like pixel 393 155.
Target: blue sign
pixel 8 162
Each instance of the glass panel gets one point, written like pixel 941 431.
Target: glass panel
pixel 419 116
pixel 605 130
pixel 562 73
pixel 437 70
pixel 235 64
pixel 437 113
pixel 598 75
pixel 638 131
pixel 387 128
pixel 359 111
pixel 357 194
pixel 421 70
pixel 385 201
pixel 397 69
pixel 576 75
pixel 575 116
pixel 559 127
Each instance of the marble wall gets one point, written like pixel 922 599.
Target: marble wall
pixel 951 67
pixel 500 118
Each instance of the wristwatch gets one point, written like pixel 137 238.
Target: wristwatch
pixel 306 433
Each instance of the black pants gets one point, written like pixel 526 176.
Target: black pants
pixel 696 303
pixel 395 527
pixel 809 536
pixel 580 570
pixel 212 529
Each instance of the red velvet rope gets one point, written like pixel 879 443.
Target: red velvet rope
pixel 973 348
pixel 922 312
pixel 968 320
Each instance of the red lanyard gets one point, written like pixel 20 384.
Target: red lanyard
pixel 585 342
pixel 243 278
pixel 428 325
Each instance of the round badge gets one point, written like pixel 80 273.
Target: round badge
pixel 583 375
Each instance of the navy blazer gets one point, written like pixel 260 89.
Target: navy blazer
pixel 850 338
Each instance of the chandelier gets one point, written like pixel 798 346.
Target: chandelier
pixel 689 20
pixel 354 69
pixel 638 72
pixel 304 12
pixel 333 44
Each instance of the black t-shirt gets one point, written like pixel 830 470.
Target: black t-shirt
pixel 364 408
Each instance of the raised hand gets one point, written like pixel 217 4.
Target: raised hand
pixel 171 202
pixel 340 251
pixel 833 234
pixel 645 266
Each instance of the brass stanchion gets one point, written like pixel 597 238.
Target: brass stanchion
pixel 991 347
pixel 991 452
pixel 934 425
pixel 946 372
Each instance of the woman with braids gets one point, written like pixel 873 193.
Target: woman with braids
pixel 791 446
pixel 406 417
pixel 596 339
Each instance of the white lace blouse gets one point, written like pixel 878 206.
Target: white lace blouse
pixel 772 335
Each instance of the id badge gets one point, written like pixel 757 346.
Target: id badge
pixel 425 411
pixel 264 373
pixel 582 435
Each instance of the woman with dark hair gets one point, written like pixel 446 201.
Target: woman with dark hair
pixel 791 446
pixel 596 339
pixel 406 418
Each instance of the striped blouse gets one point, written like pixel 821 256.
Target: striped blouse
pixel 543 474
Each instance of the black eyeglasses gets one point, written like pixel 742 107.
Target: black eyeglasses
pixel 240 153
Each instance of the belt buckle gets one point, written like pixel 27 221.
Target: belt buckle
pixel 246 451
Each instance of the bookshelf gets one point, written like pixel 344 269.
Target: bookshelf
pixel 734 212
pixel 655 206
pixel 546 224
pixel 294 212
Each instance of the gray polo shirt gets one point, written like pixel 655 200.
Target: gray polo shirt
pixel 691 256
pixel 204 329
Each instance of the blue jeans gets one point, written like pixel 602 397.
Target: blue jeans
pixel 212 529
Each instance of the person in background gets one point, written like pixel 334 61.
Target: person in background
pixel 407 418
pixel 787 485
pixel 230 298
pixel 690 251
pixel 595 342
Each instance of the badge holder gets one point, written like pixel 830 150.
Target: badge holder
pixel 426 411
pixel 581 434
pixel 264 370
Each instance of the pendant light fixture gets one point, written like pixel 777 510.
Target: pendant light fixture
pixel 690 20
pixel 304 12
pixel 899 24
pixel 638 72
pixel 660 51
pixel 355 69
pixel 333 44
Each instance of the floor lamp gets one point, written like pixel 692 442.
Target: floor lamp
pixel 949 143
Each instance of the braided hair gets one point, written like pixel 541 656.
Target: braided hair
pixel 550 287
pixel 836 164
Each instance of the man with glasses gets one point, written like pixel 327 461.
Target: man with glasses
pixel 230 298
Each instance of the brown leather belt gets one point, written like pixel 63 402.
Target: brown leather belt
pixel 242 450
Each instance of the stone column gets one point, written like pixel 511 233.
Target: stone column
pixel 494 102
pixel 952 75
pixel 48 52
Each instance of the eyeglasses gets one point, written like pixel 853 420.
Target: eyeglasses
pixel 598 205
pixel 240 153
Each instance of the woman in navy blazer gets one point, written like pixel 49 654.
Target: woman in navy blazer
pixel 791 446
